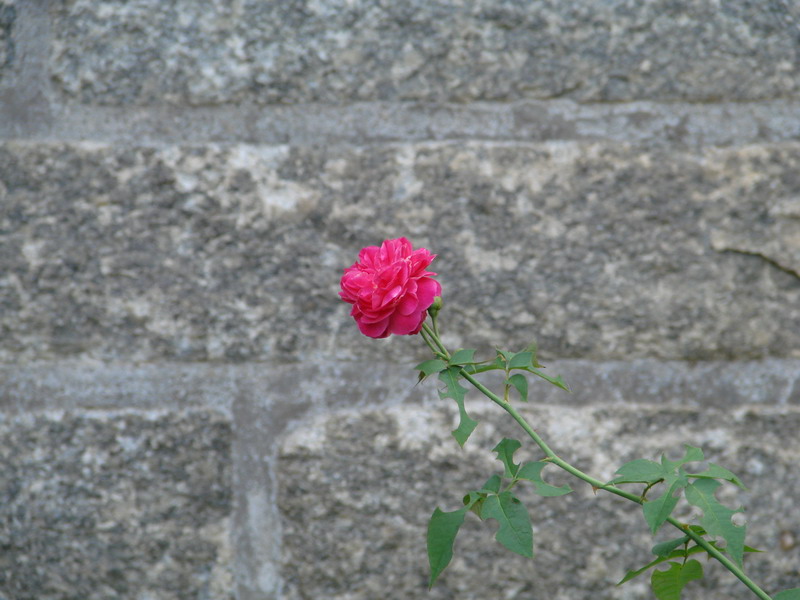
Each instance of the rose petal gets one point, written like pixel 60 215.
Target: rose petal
pixel 375 330
pixel 427 290
pixel 406 324
pixel 408 304
pixel 390 288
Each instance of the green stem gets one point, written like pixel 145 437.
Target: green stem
pixel 551 456
pixel 432 346
pixel 596 483
pixel 434 336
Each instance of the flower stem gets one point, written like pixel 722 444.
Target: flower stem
pixel 431 345
pixel 596 483
pixel 435 337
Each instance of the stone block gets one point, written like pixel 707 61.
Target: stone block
pixel 212 52
pixel 357 487
pixel 233 253
pixel 115 504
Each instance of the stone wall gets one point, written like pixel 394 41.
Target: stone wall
pixel 186 408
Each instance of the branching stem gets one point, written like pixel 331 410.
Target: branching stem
pixel 596 484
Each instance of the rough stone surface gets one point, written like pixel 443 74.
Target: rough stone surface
pixel 648 123
pixel 113 504
pixel 234 252
pixel 74 385
pixel 8 14
pixel 357 488
pixel 198 53
pixel 186 409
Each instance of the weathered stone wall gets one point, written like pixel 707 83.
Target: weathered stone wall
pixel 186 409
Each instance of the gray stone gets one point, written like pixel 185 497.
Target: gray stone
pixel 234 253
pixel 115 504
pixel 25 98
pixel 262 400
pixel 73 385
pixel 650 123
pixel 8 15
pixel 357 489
pixel 199 53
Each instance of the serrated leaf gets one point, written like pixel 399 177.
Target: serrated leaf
pixel 674 554
pixel 483 366
pixel 661 559
pixel 473 501
pixel 657 511
pixel 492 485
pixel 717 472
pixel 463 356
pixel 556 381
pixel 647 471
pixel 667 585
pixel 456 391
pixel 691 454
pixel 531 471
pixel 664 548
pixel 520 383
pixel 521 360
pixel 429 367
pixel 515 532
pixel 504 355
pixel 793 594
pixel 442 530
pixel 505 453
pixel 640 470
pixel 533 348
pixel 716 517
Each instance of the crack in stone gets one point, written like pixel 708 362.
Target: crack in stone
pixel 768 259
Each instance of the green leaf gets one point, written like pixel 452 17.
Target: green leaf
pixel 492 485
pixel 520 383
pixel 556 381
pixel 474 500
pixel 515 532
pixel 521 360
pixel 640 471
pixel 485 365
pixel 648 471
pixel 657 511
pixel 457 392
pixel 691 454
pixel 442 530
pixel 793 594
pixel 697 529
pixel 431 366
pixel 667 585
pixel 716 517
pixel 531 471
pixel 463 357
pixel 533 347
pixel 673 475
pixel 717 472
pixel 675 554
pixel 505 453
pixel 664 548
pixel 504 355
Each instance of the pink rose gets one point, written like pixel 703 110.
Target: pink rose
pixel 389 288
